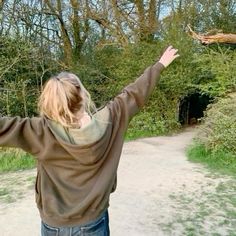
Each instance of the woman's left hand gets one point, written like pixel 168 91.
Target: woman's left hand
pixel 168 56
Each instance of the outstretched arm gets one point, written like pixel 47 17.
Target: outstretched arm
pixel 24 133
pixel 135 95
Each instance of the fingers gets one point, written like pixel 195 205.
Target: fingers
pixel 169 55
pixel 176 55
pixel 171 51
pixel 174 52
pixel 170 47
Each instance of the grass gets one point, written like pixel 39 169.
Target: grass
pixel 3 191
pixel 5 195
pixel 134 134
pixel 205 211
pixel 221 161
pixel 12 160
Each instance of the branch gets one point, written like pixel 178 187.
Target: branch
pixel 216 38
pixel 16 59
pixel 30 25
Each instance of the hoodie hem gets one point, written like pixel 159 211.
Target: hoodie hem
pixel 79 221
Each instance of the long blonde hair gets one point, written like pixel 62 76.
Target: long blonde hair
pixel 64 99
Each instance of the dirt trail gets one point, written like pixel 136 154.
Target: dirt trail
pixel 159 193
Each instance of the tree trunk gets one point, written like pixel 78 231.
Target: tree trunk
pixel 141 19
pixel 66 45
pixel 216 38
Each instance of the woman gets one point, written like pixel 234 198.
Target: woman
pixel 78 151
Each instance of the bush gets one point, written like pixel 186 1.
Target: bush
pixel 219 129
pixel 23 69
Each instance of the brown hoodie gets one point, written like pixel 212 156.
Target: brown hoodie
pixel 76 169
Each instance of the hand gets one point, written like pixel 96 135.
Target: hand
pixel 168 56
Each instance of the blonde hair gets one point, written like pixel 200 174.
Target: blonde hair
pixel 64 99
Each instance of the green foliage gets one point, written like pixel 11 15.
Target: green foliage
pixel 114 68
pixel 14 159
pixel 216 141
pixel 219 129
pixel 222 160
pixel 147 124
pixel 23 68
pixel 208 71
pixel 107 69
pixel 215 71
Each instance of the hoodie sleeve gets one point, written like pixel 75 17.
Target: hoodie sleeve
pixel 135 95
pixel 24 133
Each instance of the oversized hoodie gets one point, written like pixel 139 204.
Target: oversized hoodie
pixel 76 168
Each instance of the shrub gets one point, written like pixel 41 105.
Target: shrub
pixel 23 69
pixel 219 129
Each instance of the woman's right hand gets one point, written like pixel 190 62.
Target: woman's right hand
pixel 168 56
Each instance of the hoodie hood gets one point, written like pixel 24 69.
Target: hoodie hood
pixel 86 144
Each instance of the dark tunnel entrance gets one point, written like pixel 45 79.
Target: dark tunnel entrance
pixel 192 107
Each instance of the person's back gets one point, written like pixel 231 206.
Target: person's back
pixel 78 149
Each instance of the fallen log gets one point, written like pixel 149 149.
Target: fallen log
pixel 216 38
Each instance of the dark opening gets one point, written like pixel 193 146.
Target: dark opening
pixel 192 107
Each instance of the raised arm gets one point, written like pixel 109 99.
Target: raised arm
pixel 135 95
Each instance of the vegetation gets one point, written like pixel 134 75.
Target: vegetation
pixel 221 161
pixel 216 142
pixel 219 129
pixel 108 44
pixel 14 159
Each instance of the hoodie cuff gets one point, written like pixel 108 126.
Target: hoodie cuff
pixel 159 66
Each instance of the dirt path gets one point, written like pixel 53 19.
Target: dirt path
pixel 159 193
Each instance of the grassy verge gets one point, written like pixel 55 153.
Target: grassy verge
pixel 152 131
pixel 221 161
pixel 138 134
pixel 12 160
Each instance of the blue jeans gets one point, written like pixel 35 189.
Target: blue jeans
pixel 98 227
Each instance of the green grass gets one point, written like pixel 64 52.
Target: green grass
pixel 221 161
pixel 12 160
pixel 3 191
pixel 135 134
